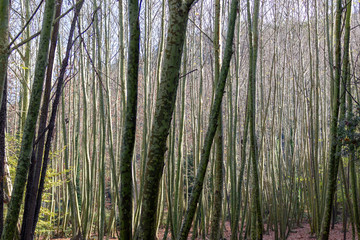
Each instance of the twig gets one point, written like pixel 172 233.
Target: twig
pixel 192 21
pixel 26 24
pixel 188 73
pixel 25 41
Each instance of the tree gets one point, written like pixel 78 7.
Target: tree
pixel 213 124
pixel 4 41
pixel 128 138
pixel 2 154
pixel 29 129
pixel 215 233
pixel 256 216
pixel 165 102
pixel 335 102
pixel 37 155
pixel 51 126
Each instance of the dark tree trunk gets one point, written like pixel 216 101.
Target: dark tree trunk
pixel 30 123
pixel 51 125
pixel 128 138
pixel 2 153
pixel 4 42
pixel 36 158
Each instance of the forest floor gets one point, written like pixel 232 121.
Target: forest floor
pixel 302 232
pixel 296 234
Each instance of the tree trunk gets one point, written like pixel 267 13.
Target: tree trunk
pixel 26 80
pixel 4 41
pixel 33 179
pixel 128 138
pixel 2 154
pixel 218 181
pixel 335 102
pixel 165 102
pixel 213 122
pixel 51 125
pixel 29 129
pixel 256 216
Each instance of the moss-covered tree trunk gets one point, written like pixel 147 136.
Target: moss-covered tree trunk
pixel 213 123
pixel 4 41
pixel 165 102
pixel 51 125
pixel 128 138
pixel 218 179
pixel 2 154
pixel 36 164
pixel 335 101
pixel 30 123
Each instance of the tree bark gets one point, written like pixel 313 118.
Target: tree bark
pixel 165 102
pixel 333 160
pixel 218 181
pixel 4 41
pixel 128 138
pixel 36 164
pixel 55 105
pixel 2 154
pixel 31 120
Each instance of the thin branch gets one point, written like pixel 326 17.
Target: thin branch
pixel 192 21
pixel 26 24
pixel 188 73
pixel 65 13
pixel 87 52
pixel 25 41
pixel 38 33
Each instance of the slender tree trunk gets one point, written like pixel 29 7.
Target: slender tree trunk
pixel 165 102
pixel 128 138
pixel 256 216
pixel 25 88
pixel 33 179
pixel 4 41
pixel 2 154
pixel 52 119
pixel 101 167
pixel 31 120
pixel 218 182
pixel 335 101
pixel 213 122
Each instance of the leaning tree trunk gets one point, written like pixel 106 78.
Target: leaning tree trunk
pixel 52 119
pixel 165 102
pixel 128 138
pixel 4 42
pixel 36 164
pixel 29 128
pixel 213 122
pixel 333 160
